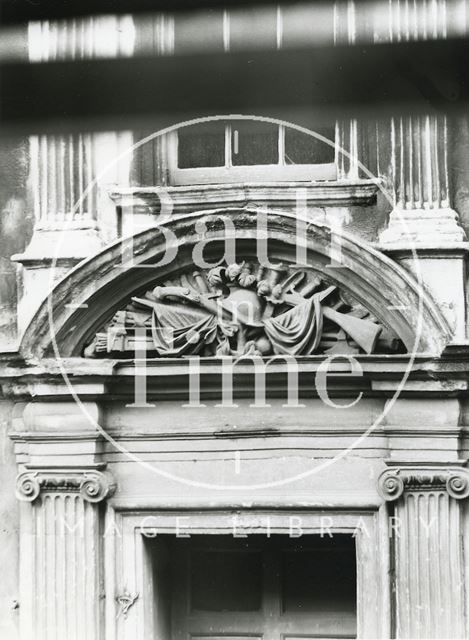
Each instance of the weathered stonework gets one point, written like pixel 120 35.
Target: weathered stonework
pixel 428 517
pixel 381 282
pixel 373 280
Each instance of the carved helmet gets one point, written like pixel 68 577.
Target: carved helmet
pixel 244 306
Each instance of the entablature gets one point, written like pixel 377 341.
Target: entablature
pixel 94 379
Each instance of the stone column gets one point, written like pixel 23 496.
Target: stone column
pixel 422 222
pixel 61 553
pixel 346 130
pixel 422 214
pixel 428 555
pixel 65 168
pixel 62 166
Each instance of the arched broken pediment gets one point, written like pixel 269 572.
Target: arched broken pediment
pixel 365 304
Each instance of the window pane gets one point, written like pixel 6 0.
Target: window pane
pixel 320 578
pixel 201 145
pixel 254 143
pixel 301 148
pixel 253 28
pixel 226 580
pixel 198 31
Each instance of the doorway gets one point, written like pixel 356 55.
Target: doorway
pixel 216 587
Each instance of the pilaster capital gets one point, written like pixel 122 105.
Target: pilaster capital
pixel 92 485
pixel 392 483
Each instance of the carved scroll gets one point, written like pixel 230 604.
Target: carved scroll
pixel 93 486
pixel 455 481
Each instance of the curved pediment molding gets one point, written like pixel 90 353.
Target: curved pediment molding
pixel 89 296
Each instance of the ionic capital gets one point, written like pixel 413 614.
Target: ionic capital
pixel 92 485
pixel 393 482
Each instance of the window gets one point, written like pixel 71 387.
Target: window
pixel 248 150
pixel 211 587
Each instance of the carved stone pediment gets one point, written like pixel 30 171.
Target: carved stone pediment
pixel 243 309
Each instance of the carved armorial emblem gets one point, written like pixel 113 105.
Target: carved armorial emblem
pixel 240 310
pixel 393 482
pixel 92 485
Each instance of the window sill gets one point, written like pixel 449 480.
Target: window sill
pixel 284 195
pixel 253 174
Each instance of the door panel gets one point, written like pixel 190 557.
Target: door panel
pixel 259 588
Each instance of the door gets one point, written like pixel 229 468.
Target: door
pixel 261 588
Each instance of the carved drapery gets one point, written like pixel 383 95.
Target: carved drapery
pixel 244 309
pixel 426 532
pixel 61 552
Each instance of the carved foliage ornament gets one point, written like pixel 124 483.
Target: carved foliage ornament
pixel 93 486
pixel 243 309
pixel 393 483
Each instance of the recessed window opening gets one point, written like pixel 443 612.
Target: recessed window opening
pixel 249 150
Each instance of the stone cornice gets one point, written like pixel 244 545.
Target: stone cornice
pixel 92 485
pixel 187 199
pixel 435 250
pixel 392 483
pixel 92 379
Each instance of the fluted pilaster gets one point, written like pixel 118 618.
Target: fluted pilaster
pixel 428 559
pixel 347 154
pixel 64 168
pixel 422 221
pixel 422 213
pixel 61 572
pixel 70 173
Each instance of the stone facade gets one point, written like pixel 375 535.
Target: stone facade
pixel 314 376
